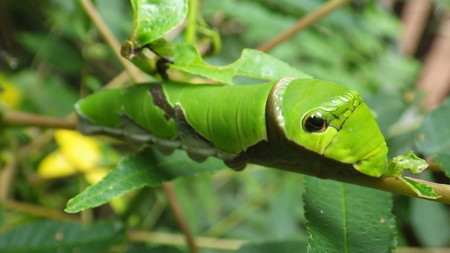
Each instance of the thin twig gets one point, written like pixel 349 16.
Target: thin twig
pixel 236 216
pixel 434 81
pixel 38 140
pixel 16 118
pixel 134 73
pixel 6 176
pixel 156 212
pixel 173 239
pixel 117 81
pixel 176 209
pixel 304 22
pixel 39 211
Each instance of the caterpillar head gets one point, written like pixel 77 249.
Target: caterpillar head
pixel 331 120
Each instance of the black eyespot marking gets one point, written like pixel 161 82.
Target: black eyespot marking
pixel 314 123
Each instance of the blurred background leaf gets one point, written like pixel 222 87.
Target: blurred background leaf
pixel 434 141
pixel 53 236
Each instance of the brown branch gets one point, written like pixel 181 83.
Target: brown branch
pixel 388 4
pixel 176 209
pixel 134 73
pixel 414 18
pixel 434 80
pixel 302 23
pixel 23 119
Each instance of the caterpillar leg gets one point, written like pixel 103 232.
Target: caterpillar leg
pixel 166 146
pixel 236 165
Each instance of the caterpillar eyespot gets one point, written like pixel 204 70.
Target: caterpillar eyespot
pixel 314 123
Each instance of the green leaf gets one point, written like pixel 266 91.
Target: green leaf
pixel 154 18
pixel 430 223
pixel 443 159
pixel 147 168
pixel 389 107
pixel 116 14
pixel 408 161
pixel 43 92
pixel 433 137
pixel 50 48
pixel 347 218
pixel 284 210
pixel 270 247
pixel 252 63
pixel 421 189
pixel 163 47
pixel 54 236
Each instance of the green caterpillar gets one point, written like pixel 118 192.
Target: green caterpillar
pixel 308 122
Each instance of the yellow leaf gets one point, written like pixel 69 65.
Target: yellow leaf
pixel 10 95
pixel 119 205
pixel 95 175
pixel 81 151
pixel 56 165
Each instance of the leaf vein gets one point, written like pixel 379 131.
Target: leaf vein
pixel 344 216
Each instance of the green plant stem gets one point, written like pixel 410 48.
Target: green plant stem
pixel 176 209
pixel 302 23
pixel 236 216
pixel 227 244
pixel 89 8
pixel 7 174
pixel 233 219
pixel 173 239
pixel 191 28
pixel 156 212
pixel 23 119
pixel 39 211
pixel 39 140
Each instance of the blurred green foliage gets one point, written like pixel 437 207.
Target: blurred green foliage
pixel 51 51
